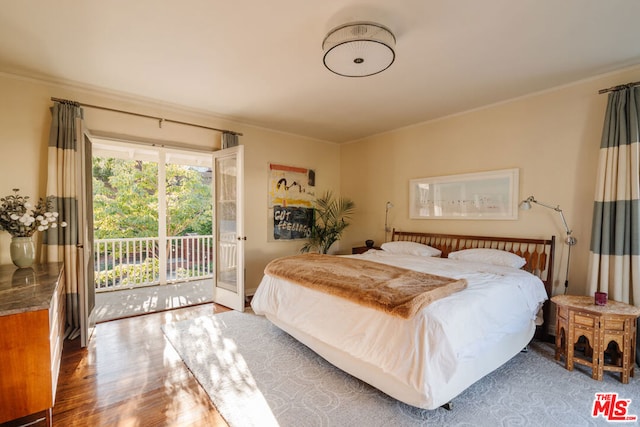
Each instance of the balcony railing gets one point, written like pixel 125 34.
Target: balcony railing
pixel 134 262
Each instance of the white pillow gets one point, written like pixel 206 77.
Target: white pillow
pixel 489 256
pixel 410 248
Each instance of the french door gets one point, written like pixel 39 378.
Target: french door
pixel 86 288
pixel 228 216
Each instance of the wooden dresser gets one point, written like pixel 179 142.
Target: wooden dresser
pixel 32 323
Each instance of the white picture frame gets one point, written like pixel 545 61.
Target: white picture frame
pixel 483 195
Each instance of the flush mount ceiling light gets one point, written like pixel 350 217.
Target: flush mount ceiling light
pixel 359 49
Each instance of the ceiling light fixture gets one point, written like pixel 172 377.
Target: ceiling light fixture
pixel 359 49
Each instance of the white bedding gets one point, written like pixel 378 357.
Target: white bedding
pixel 420 354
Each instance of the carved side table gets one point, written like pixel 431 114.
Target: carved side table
pixel 578 316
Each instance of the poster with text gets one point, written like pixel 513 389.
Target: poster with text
pixel 291 195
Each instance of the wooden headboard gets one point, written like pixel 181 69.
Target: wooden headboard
pixel 537 252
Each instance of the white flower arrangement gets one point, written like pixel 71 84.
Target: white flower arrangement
pixel 20 218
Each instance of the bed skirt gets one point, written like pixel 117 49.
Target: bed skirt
pixel 468 372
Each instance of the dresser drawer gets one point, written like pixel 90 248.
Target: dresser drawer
pixel 25 370
pixel 31 341
pixel 613 324
pixel 585 320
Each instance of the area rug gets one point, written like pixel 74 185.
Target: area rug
pixel 257 375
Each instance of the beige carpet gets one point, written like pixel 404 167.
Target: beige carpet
pixel 257 375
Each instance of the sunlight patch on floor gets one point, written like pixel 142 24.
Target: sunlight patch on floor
pixel 133 302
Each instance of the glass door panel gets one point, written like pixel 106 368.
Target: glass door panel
pixel 189 235
pixel 228 217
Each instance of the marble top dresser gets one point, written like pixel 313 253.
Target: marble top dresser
pixel 32 324
pixel 27 289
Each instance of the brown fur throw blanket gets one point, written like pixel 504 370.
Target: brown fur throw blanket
pixel 394 290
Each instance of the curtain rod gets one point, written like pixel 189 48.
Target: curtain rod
pixel 159 119
pixel 619 87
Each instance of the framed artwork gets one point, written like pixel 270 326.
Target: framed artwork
pixel 290 201
pixel 482 195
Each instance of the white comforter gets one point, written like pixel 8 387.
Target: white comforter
pixel 428 348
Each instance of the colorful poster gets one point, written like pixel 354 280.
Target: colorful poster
pixel 291 196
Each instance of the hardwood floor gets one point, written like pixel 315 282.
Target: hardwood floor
pixel 131 376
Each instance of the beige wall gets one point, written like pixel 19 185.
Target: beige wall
pixel 552 137
pixel 24 130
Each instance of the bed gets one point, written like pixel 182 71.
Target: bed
pixel 428 358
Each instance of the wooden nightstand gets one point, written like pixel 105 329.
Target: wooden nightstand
pixel 578 316
pixel 362 249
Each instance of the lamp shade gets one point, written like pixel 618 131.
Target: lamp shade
pixel 359 49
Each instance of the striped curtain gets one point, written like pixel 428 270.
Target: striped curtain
pixel 229 140
pixel 614 263
pixel 62 183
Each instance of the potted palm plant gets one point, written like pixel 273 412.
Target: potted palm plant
pixel 331 218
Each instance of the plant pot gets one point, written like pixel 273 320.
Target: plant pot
pixel 22 251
